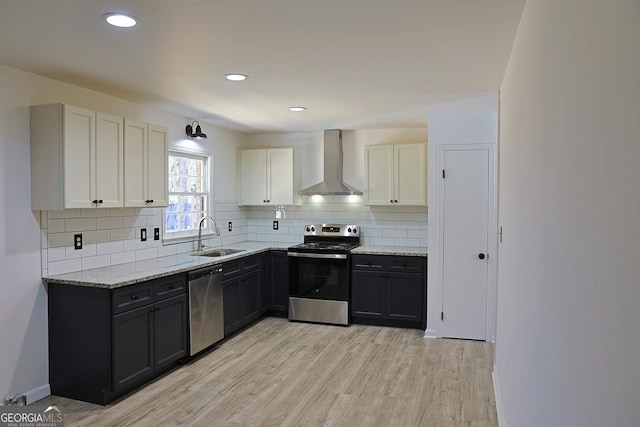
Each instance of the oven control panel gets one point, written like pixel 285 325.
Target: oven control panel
pixel 332 230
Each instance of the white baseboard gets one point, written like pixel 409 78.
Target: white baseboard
pixel 37 393
pixel 498 397
pixel 431 333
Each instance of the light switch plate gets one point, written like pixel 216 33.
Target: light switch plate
pixel 275 225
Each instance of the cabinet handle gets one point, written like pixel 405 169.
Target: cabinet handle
pixel 134 296
pixel 481 256
pixel 391 201
pixel 95 202
pixel 149 201
pixel 395 201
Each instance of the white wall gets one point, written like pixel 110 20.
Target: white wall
pixel 455 129
pixel 568 338
pixel 23 335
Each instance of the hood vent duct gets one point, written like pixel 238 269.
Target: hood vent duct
pixel 332 184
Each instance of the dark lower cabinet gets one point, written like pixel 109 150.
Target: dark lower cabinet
pixel 104 343
pixel 133 349
pixel 279 281
pixel 170 342
pixel 242 286
pixel 389 290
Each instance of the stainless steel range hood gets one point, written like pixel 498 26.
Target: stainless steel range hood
pixel 332 184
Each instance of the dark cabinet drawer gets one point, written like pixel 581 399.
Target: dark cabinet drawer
pixel 406 264
pixel 130 297
pixel 368 262
pixel 231 269
pixel 251 264
pixel 168 287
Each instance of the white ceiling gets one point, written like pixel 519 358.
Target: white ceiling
pixel 353 63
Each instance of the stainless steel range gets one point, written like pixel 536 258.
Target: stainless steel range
pixel 319 273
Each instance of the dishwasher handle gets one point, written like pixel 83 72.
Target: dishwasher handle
pixel 196 274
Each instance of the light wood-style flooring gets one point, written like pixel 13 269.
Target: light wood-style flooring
pixel 280 373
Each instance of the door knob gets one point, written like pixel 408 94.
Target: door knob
pixel 481 256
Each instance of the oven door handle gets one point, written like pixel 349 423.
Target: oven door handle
pixel 316 255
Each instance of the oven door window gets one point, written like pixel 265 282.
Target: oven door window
pixel 319 278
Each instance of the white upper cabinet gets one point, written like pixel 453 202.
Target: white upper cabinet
pixel 76 158
pixel 395 174
pixel 146 169
pixel 266 176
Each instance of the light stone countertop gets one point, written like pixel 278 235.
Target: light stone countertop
pixel 120 275
pixel 130 273
pixel 390 250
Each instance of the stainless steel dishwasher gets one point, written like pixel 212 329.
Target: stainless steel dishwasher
pixel 206 315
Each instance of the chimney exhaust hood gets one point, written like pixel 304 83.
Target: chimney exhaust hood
pixel 332 184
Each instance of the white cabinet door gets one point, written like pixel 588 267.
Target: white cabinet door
pixel 253 177
pixel 395 174
pixel 109 158
pixel 280 176
pixel 78 145
pixel 135 154
pixel 378 175
pixel 146 166
pixel 157 167
pixel 410 178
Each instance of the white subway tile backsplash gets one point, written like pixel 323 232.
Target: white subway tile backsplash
pixel 66 266
pixel 110 247
pixel 134 221
pixel 134 245
pixel 96 262
pixel 98 236
pixel 69 213
pixel 60 239
pixel 56 254
pixel 122 234
pixel 80 224
pixel 123 257
pixel 112 236
pixel 56 226
pixel 146 254
pixel 108 223
pixel 87 250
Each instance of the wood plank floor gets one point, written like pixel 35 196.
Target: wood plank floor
pixel 280 373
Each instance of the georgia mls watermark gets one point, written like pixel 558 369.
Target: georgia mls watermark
pixel 31 416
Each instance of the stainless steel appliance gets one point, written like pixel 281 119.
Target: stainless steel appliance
pixel 319 279
pixel 206 315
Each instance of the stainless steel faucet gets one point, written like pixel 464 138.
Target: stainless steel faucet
pixel 215 227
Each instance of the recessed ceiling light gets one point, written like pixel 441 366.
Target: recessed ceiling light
pixel 120 20
pixel 236 77
pixel 297 109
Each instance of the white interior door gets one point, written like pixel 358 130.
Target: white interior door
pixel 465 216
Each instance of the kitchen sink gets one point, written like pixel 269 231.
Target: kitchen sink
pixel 218 252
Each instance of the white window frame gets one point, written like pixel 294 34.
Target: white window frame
pixel 191 235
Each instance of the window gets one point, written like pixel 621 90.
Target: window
pixel 188 195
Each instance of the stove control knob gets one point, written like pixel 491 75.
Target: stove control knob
pixel 313 229
pixel 349 230
pixel 308 229
pixel 355 230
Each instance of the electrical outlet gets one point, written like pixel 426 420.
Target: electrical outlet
pixel 275 225
pixel 143 234
pixel 230 226
pixel 77 241
pixel 156 233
